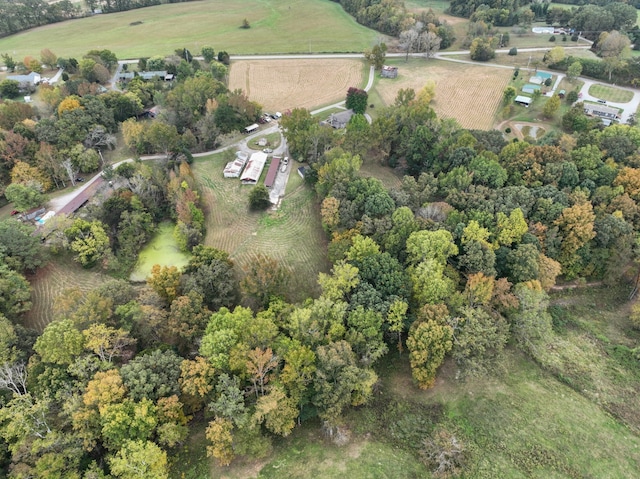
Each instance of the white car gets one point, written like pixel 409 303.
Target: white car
pixel 267 150
pixel 284 164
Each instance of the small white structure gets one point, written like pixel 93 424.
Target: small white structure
pixel 254 168
pixel 27 99
pixel 523 100
pixel 536 80
pixel 48 215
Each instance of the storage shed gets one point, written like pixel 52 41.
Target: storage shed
pixel 254 168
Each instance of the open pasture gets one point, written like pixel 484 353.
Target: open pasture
pixel 292 235
pixel 48 283
pixel 285 84
pixel 277 26
pixel 469 94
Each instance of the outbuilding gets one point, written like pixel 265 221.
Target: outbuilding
pixel 272 172
pixel 523 100
pixel 254 168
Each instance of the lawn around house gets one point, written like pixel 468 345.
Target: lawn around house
pixel 277 26
pixel 609 93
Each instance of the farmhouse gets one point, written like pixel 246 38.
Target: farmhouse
pixel 340 120
pixel 272 172
pixel 234 168
pixel 26 81
pixel 601 111
pixel 254 168
pixel 523 100
pixel 389 72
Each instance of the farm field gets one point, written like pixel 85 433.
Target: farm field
pixel 276 27
pixel 48 283
pixel 292 235
pixel 609 93
pixel 467 93
pixel 285 84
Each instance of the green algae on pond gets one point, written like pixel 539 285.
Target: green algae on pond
pixel 163 250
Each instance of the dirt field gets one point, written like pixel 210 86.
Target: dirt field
pixel 471 94
pixel 285 84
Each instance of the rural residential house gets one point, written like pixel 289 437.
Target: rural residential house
pixel 26 81
pixel 340 120
pixel 601 111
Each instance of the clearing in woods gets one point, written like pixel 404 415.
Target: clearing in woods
pixel 470 94
pixel 292 235
pixel 48 283
pixel 285 84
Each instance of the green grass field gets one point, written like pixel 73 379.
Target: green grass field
pixel 276 26
pixel 610 93
pixel 292 234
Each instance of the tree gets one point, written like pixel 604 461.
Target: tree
pixel 21 248
pixel 259 364
pixel 259 198
pixel 15 293
pixel 551 106
pixel 531 323
pixel 408 41
pixel 89 241
pixel 165 281
pixel 245 24
pixel 357 100
pixel 105 388
pixel 23 197
pixel 428 342
pixel 429 43
pixel 106 342
pixel 208 54
pixel 9 88
pixel 47 57
pixel 9 62
pixel 376 56
pixel 277 411
pixel 265 279
pixel 613 47
pixel 508 95
pixel 219 433
pixel 481 50
pixel 152 375
pixel 431 245
pixel 574 70
pixel 339 382
pixel 60 343
pixel 139 460
pixel 554 56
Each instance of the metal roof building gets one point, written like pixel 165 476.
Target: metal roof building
pixel 272 172
pixel 254 168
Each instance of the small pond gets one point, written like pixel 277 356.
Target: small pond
pixel 162 250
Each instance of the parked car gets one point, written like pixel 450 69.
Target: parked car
pixel 14 212
pixel 267 150
pixel 79 179
pixel 602 101
pixel 284 164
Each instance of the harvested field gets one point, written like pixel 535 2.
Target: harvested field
pixel 285 84
pixel 292 235
pixel 468 93
pixel 51 281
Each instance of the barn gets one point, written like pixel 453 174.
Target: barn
pixel 254 168
pixel 523 100
pixel 272 172
pixel 389 72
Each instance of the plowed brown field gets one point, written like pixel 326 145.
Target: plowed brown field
pixel 471 94
pixel 279 85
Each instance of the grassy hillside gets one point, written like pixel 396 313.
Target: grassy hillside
pixel 276 26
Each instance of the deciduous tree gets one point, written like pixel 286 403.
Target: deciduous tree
pixel 428 342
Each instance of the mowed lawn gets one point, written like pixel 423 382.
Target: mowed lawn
pixel 277 26
pixel 609 93
pixel 470 94
pixel 292 235
pixel 62 273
